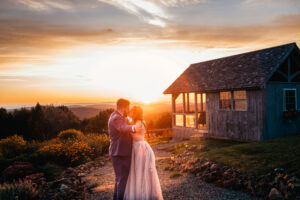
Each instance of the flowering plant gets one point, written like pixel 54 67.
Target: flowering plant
pixel 290 114
pixel 19 169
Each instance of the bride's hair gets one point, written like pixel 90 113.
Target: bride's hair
pixel 137 114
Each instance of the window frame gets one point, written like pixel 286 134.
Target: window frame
pixel 239 100
pixel 233 101
pixel 284 98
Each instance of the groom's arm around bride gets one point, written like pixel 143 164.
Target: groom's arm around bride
pixel 121 145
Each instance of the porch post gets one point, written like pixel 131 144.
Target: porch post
pixel 183 103
pixel 196 110
pixel 173 110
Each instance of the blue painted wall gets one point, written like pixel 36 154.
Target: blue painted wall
pixel 275 125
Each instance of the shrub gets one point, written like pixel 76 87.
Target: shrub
pixel 24 189
pixel 175 174
pixel 98 143
pixel 50 170
pixel 68 154
pixel 70 135
pixel 38 179
pixel 32 147
pixel 19 169
pixel 12 146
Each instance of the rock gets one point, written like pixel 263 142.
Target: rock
pixel 275 194
pixel 279 170
pixel 297 187
pixel 283 187
pixel 201 148
pixel 229 183
pixel 64 187
pixel 213 167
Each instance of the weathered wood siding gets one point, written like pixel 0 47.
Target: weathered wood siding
pixel 241 125
pixel 275 125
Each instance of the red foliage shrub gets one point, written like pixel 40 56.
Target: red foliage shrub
pixel 18 170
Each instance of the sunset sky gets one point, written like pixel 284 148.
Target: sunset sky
pixel 75 51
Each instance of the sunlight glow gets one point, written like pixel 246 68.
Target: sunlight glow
pixel 138 72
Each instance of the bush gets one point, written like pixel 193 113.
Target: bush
pixel 16 171
pixel 70 135
pixel 68 154
pixel 12 146
pixel 98 143
pixel 24 189
pixel 50 170
pixel 31 147
pixel 38 179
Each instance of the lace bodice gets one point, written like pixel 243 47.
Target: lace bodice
pixel 139 136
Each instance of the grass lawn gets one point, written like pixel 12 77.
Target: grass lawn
pixel 250 157
pixel 159 141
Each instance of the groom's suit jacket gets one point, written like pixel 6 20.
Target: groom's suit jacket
pixel 120 137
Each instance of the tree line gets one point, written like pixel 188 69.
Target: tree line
pixel 45 122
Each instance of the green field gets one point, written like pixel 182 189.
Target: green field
pixel 250 157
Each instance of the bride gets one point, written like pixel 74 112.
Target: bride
pixel 142 182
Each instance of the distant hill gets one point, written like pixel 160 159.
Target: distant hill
pixel 85 112
pixel 82 110
pixel 90 110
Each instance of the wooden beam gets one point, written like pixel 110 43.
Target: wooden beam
pixel 289 69
pixel 173 109
pixel 196 111
pixel 183 103
pixel 188 102
pixel 294 75
pixel 201 102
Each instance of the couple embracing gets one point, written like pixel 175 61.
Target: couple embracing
pixel 132 158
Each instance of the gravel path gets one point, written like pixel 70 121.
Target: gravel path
pixel 185 186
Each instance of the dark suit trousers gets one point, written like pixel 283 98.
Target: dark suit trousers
pixel 121 166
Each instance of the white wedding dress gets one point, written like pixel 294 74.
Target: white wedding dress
pixel 143 182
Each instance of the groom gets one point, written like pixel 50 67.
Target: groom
pixel 120 145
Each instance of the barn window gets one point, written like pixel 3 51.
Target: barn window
pixel 289 99
pixel 190 121
pixel 201 98
pixel 179 120
pixel 240 100
pixel 190 103
pixel 201 104
pixel 179 104
pixel 225 100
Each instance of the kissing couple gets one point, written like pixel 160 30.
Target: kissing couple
pixel 132 158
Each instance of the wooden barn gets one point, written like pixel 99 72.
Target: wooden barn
pixel 251 96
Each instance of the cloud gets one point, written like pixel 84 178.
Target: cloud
pixel 44 5
pixel 180 3
pixel 38 36
pixel 150 12
pixel 32 40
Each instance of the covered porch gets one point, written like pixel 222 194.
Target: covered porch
pixel 189 115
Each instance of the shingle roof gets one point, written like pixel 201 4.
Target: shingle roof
pixel 247 70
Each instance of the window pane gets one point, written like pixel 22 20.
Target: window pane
pixel 190 121
pixel 179 104
pixel 225 104
pixel 204 101
pixel 201 107
pixel 225 95
pixel 199 102
pixel 290 99
pixel 202 120
pixel 240 104
pixel 239 94
pixel 179 120
pixel 191 108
